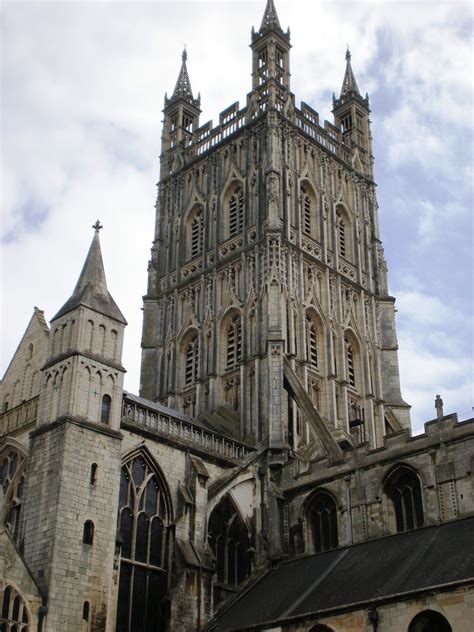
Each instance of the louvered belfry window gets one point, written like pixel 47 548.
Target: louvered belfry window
pixel 234 342
pixel 191 361
pixel 312 342
pixel 350 364
pixel 236 213
pixel 342 237
pixel 196 235
pixel 306 203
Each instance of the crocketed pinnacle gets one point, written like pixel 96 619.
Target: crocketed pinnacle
pixel 270 17
pixel 183 85
pixel 91 288
pixel 349 85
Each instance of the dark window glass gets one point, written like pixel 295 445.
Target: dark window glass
pixel 144 520
pixel 429 621
pixel 404 489
pixel 105 410
pixel 88 533
pixel 323 518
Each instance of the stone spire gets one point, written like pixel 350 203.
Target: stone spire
pixel 270 17
pixel 183 85
pixel 349 85
pixel 91 288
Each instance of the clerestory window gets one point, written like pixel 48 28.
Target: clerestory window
pixel 323 521
pixel 404 490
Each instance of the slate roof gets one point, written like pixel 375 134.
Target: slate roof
pixel 428 558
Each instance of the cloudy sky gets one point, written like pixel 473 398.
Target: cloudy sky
pixel 82 94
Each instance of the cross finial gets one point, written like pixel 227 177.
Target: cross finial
pixel 97 226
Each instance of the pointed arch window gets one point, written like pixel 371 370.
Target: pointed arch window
pixel 312 342
pixel 323 522
pixel 306 213
pixel 197 234
pixel 144 534
pixel 14 615
pixel 191 357
pixel 234 342
pixel 236 213
pixel 404 490
pixel 12 481
pixel 229 540
pixel 350 362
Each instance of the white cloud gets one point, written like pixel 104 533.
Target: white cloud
pixel 83 86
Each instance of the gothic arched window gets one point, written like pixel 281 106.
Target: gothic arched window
pixel 308 211
pixel 144 520
pixel 234 342
pixel 429 621
pixel 12 481
pixel 236 212
pixel 311 342
pixel 322 516
pixel 229 540
pixel 351 360
pixel 196 233
pixel 14 614
pixel 105 409
pixel 404 490
pixel 191 360
pixel 343 227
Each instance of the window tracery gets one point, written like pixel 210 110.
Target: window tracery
pixel 144 532
pixel 12 481
pixel 229 540
pixel 404 490
pixel 322 514
pixel 14 615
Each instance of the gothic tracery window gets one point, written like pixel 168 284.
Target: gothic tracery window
pixel 12 481
pixel 322 515
pixel 14 615
pixel 404 490
pixel 144 519
pixel 229 540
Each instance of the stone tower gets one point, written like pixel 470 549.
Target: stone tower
pixel 74 465
pixel 267 311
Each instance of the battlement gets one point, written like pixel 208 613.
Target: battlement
pixel 233 119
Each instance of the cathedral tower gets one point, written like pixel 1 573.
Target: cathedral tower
pixel 267 312
pixel 74 466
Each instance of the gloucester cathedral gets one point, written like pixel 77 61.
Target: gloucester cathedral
pixel 265 478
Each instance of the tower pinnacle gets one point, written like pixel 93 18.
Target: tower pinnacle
pixel 183 85
pixel 349 84
pixel 270 17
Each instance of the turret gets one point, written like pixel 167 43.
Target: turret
pixel 271 56
pixel 351 115
pixel 181 112
pixel 75 456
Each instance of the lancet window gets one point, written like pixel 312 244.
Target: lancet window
pixel 351 360
pixel 236 212
pixel 234 342
pixel 14 616
pixel 197 235
pixel 404 490
pixel 144 519
pixel 191 358
pixel 12 482
pixel 322 514
pixel 312 342
pixel 229 540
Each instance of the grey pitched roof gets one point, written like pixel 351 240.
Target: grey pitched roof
pixel 361 574
pixel 91 288
pixel 349 84
pixel 270 17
